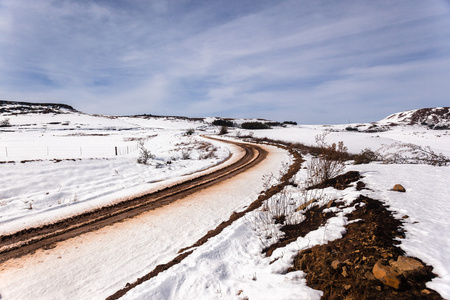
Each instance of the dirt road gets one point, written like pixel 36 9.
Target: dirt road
pixel 99 262
pixel 31 239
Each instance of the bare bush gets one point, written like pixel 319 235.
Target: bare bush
pixel 366 156
pixel 5 123
pixel 407 153
pixel 223 130
pixel 210 154
pixel 329 163
pixel 190 131
pixel 186 153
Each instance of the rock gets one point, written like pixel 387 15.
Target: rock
pixel 425 292
pixel 347 287
pixel 344 272
pixel 336 264
pixel 409 267
pixel 386 274
pixel 399 188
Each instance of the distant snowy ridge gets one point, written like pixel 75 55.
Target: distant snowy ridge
pixel 433 118
pixel 15 108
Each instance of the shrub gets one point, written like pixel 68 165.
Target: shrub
pixel 330 161
pixel 223 130
pixel 5 123
pixel 190 131
pixel 144 154
pixel 366 156
pixel 254 125
pixel 186 153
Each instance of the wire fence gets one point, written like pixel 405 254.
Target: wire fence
pixel 63 151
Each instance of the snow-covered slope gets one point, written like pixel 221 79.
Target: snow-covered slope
pixel 56 161
pixel 433 118
pixel 15 108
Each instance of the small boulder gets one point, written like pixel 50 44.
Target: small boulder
pixel 399 188
pixel 409 267
pixel 336 264
pixel 386 274
pixel 344 272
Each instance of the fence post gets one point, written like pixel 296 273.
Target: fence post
pixel 115 149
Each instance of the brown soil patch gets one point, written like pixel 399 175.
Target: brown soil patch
pixel 342 269
pixel 340 182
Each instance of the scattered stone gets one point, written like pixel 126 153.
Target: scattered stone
pixel 336 264
pixel 425 292
pixel 344 272
pixel 399 188
pixel 386 274
pixel 409 267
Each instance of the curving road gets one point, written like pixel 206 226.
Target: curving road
pixel 29 240
pixel 100 262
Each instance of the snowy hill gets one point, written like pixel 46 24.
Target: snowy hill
pixel 433 118
pixel 15 108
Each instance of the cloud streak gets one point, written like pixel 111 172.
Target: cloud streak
pixel 310 61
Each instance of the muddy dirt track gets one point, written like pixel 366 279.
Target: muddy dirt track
pixel 30 239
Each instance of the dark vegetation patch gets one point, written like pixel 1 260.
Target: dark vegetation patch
pixel 223 122
pixel 254 125
pixel 339 182
pixel 290 122
pixel 342 269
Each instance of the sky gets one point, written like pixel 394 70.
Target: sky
pixel 314 62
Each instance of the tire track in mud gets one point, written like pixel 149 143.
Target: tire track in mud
pixel 45 237
pixel 185 252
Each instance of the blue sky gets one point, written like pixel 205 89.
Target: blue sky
pixel 315 62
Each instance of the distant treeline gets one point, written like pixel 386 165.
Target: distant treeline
pixel 252 125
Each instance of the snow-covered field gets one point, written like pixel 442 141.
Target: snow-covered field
pixel 71 165
pixel 80 162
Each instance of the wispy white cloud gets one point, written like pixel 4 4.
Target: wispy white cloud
pixel 310 61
